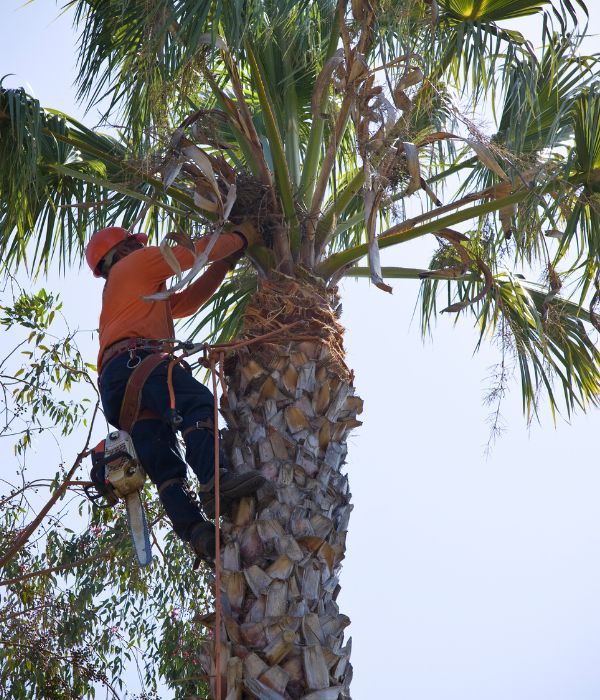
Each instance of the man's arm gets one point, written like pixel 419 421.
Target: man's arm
pixel 191 299
pixel 156 269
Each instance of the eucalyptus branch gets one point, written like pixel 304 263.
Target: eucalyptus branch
pixel 21 613
pixel 11 379
pixel 37 483
pixel 104 554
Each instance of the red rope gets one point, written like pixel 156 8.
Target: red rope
pixel 172 364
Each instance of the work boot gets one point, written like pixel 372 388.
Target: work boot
pixel 232 487
pixel 202 539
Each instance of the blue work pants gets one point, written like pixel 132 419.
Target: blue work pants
pixel 155 440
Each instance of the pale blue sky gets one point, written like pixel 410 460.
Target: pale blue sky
pixel 465 578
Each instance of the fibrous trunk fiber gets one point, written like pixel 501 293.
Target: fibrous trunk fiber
pixel 290 406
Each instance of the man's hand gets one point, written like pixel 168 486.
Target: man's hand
pixel 249 233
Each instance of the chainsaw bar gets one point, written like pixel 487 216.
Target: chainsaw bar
pixel 138 528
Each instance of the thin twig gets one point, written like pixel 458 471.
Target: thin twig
pixel 32 527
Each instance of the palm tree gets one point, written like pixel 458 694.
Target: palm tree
pixel 321 124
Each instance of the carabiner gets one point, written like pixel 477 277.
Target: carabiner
pixel 134 360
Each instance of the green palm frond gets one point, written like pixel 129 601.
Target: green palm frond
pixel 66 180
pixel 220 319
pixel 472 42
pixel 538 97
pixel 576 204
pixel 34 193
pixel 544 333
pixel 491 10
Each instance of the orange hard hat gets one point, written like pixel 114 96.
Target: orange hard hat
pixel 106 239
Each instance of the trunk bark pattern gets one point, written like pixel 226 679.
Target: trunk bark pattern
pixel 289 407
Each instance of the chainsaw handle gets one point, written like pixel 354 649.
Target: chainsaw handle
pixel 95 497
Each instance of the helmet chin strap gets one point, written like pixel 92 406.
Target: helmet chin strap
pixel 119 252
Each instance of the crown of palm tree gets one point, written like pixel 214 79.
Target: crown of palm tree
pixel 320 123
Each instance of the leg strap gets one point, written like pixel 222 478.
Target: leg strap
pixel 132 398
pixel 201 425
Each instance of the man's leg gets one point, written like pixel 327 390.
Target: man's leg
pixel 194 402
pixel 157 450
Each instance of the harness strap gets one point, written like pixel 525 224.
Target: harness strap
pixel 130 407
pixel 130 345
pixel 200 425
pixel 170 482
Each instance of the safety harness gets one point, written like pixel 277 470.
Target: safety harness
pixel 160 350
pixel 132 398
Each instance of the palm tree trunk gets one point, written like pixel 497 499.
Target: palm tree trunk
pixel 290 407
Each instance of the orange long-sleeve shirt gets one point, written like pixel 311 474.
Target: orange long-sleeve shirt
pixel 125 313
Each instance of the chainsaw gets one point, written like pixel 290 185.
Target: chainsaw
pixel 117 474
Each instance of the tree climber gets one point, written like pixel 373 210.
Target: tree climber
pixel 133 329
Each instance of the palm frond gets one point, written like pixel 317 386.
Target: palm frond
pixel 544 333
pixel 220 319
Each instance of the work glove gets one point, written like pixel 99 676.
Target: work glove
pixel 249 233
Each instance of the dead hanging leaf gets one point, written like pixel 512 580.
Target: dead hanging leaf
pixel 200 158
pixel 176 137
pixel 182 239
pixel 372 200
pixel 199 263
pixel 387 109
pixel 204 203
pixel 402 100
pixel 430 193
pixel 506 215
pixel 170 258
pixel 485 156
pixel 213 40
pixel 324 81
pixel 170 172
pixel 414 169
pixel 359 69
pixel 413 76
pixel 229 200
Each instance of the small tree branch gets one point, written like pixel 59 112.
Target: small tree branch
pixel 26 533
pixel 105 554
